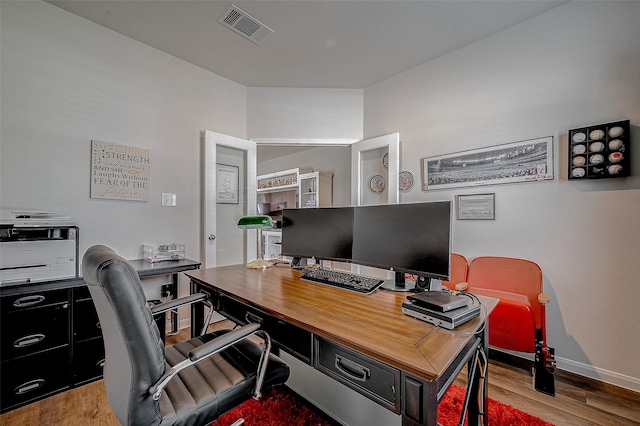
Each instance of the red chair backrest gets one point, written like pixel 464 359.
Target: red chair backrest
pixel 459 269
pixel 508 274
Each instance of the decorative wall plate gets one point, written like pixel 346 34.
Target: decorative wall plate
pixel 385 160
pixel 376 184
pixel 405 181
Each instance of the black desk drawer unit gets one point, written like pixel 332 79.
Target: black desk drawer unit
pixel 34 323
pixel 294 340
pixel 34 346
pixel 373 379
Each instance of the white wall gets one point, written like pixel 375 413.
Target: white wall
pixel 304 113
pixel 574 66
pixel 66 81
pixel 295 113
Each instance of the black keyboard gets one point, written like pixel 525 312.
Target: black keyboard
pixel 343 280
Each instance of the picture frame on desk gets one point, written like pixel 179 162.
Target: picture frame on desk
pixel 227 184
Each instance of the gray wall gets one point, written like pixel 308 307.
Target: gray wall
pixel 66 81
pixel 574 66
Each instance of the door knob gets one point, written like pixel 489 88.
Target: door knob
pixel 212 237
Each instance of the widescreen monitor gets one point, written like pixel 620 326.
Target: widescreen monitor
pixel 413 238
pixel 322 233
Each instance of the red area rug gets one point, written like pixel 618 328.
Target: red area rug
pixel 279 407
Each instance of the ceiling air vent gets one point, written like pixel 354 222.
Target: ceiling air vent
pixel 245 25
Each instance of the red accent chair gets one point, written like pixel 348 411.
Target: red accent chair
pixel 459 269
pixel 518 322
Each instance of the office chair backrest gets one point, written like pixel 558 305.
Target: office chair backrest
pixel 134 351
pixel 459 270
pixel 510 275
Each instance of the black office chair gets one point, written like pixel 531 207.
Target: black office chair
pixel 148 384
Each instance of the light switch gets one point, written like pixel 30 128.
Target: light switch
pixel 168 200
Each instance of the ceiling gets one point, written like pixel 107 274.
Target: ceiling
pixel 316 44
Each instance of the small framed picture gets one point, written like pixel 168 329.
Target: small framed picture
pixel 476 206
pixel 227 184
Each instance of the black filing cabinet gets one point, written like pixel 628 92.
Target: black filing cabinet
pixel 88 345
pixel 50 335
pixel 35 330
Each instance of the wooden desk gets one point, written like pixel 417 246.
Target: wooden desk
pixel 371 327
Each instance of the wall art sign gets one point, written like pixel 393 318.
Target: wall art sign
pixel 119 172
pixel 525 161
pixel 227 184
pixel 477 206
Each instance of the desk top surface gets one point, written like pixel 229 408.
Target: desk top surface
pixel 371 324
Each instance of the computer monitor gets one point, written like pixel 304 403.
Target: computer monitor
pixel 412 238
pixel 324 233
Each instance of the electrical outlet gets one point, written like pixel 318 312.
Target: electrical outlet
pixel 166 290
pixel 168 200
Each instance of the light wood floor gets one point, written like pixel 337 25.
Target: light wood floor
pixel 578 401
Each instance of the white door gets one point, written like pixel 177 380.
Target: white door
pixel 222 242
pixel 375 165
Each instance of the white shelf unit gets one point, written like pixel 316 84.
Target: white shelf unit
pixel 291 189
pixel 271 244
pixel 316 189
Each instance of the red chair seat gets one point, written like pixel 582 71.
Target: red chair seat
pixel 512 322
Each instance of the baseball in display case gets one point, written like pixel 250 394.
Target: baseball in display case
pixel 600 151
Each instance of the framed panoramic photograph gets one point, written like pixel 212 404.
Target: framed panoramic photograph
pixel 476 206
pixel 227 184
pixel 525 161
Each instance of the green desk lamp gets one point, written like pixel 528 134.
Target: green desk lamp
pixel 259 223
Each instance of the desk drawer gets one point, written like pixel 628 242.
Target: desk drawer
pixel 29 378
pixel 34 300
pixel 88 360
pixel 373 379
pixel 292 339
pixel 34 330
pixel 86 324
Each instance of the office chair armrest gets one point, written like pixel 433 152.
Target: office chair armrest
pixel 176 303
pixel 543 298
pixel 216 345
pixel 184 301
pixel 223 342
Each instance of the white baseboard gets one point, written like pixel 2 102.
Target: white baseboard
pixel 586 370
pixel 600 374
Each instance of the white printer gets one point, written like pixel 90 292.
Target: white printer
pixel 37 246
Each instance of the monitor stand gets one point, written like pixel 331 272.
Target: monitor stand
pixel 428 284
pixel 398 283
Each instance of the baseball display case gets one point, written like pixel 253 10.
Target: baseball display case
pixel 600 151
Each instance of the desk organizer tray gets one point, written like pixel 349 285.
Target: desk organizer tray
pixel 600 151
pixel 173 251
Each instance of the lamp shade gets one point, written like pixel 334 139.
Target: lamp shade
pixel 255 222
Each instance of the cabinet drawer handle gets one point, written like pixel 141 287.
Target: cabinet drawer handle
pixel 30 300
pixel 352 369
pixel 28 340
pixel 252 318
pixel 29 386
pixel 100 364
